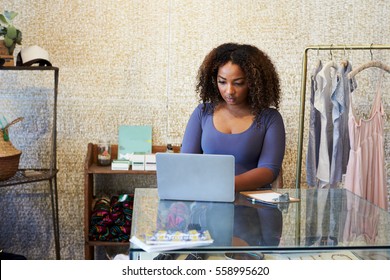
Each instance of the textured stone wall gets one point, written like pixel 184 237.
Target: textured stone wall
pixel 135 62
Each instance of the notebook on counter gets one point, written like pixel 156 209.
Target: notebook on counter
pixel 269 197
pixel 196 177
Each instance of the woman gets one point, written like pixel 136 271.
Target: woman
pixel 239 90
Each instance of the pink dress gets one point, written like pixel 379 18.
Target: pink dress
pixel 366 174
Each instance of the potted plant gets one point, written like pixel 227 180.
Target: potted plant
pixel 9 32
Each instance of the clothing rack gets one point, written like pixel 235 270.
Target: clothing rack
pixel 303 92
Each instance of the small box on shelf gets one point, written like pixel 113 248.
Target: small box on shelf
pixel 120 165
pixel 150 162
pixel 138 162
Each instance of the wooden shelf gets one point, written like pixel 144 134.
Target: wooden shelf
pixel 29 68
pixel 91 162
pixel 96 169
pixel 91 168
pixel 108 243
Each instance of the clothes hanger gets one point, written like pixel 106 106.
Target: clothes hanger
pixel 332 63
pixel 372 63
pixel 318 63
pixel 344 61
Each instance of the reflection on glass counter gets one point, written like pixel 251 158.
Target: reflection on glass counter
pixel 325 222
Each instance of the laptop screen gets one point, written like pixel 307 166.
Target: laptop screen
pixel 196 177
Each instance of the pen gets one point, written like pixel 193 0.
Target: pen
pixel 256 201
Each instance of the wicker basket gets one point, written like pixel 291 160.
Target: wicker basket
pixel 9 155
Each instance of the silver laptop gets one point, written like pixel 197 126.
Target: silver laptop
pixel 200 177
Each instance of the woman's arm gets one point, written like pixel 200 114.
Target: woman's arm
pixel 253 179
pixel 271 157
pixel 193 133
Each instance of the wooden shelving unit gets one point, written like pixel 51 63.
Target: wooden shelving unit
pixel 91 168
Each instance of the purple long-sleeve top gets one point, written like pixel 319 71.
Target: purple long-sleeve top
pixel 259 146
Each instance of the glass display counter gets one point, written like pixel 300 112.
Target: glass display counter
pixel 324 224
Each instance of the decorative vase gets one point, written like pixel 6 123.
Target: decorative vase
pixel 9 155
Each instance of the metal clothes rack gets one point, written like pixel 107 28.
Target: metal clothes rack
pixel 303 92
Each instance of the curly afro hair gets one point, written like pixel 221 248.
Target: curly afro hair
pixel 261 75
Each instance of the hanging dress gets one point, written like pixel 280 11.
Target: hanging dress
pixel 366 174
pixel 340 110
pixel 327 81
pixel 314 132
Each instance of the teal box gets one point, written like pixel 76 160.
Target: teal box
pixel 134 139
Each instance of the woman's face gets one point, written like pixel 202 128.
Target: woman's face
pixel 232 84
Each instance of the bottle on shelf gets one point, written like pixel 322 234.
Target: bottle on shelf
pixel 169 148
pixel 104 152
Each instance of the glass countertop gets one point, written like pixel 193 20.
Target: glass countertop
pixel 323 219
